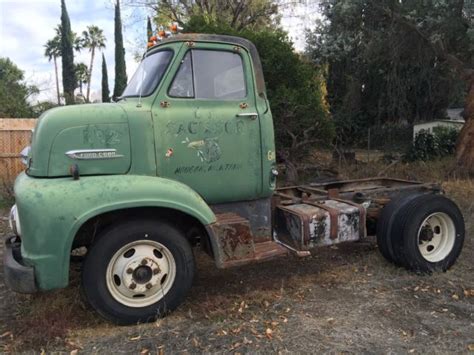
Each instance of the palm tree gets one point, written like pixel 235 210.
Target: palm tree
pixel 92 38
pixel 53 51
pixel 77 41
pixel 82 75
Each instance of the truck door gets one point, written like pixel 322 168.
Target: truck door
pixel 206 123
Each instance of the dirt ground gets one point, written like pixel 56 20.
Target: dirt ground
pixel 341 299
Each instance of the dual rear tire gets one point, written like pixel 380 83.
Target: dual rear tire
pixel 422 232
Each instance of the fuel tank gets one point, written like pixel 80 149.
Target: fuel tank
pixel 311 224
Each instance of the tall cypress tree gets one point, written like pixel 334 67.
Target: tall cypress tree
pixel 149 29
pixel 67 55
pixel 105 81
pixel 120 69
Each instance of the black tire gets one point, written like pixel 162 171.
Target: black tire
pixel 113 239
pixel 384 233
pixel 408 224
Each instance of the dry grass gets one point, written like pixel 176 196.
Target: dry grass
pixel 45 320
pixel 6 194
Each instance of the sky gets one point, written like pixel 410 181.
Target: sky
pixel 26 25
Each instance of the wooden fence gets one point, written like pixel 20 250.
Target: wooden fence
pixel 15 134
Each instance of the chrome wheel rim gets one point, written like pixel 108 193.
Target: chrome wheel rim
pixel 141 273
pixel 436 237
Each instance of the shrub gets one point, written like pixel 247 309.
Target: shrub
pixel 430 146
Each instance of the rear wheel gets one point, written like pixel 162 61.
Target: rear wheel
pixel 138 271
pixel 431 233
pixel 385 223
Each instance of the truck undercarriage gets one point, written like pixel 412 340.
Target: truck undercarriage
pixel 306 217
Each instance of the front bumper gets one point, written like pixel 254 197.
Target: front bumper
pixel 18 277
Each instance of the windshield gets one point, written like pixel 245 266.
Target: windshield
pixel 148 74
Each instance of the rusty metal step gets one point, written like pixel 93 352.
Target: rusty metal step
pixel 236 244
pixel 268 250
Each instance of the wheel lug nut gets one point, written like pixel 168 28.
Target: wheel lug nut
pixel 144 261
pixel 156 271
pixel 129 270
pixel 133 286
pixel 148 286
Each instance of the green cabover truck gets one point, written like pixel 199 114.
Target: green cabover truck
pixel 186 157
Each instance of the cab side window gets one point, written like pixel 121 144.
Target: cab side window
pixel 208 74
pixel 183 85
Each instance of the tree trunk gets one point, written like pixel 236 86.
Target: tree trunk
pixel 57 80
pixel 291 173
pixel 89 79
pixel 465 145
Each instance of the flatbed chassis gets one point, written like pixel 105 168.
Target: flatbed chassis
pixel 239 240
pixel 378 191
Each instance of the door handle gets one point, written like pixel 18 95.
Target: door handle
pixel 251 115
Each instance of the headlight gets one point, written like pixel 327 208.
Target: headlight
pixel 14 221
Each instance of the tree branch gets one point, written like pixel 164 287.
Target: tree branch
pixel 437 47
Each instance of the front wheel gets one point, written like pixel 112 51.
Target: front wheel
pixel 138 271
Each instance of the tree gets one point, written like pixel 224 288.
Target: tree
pixel 378 71
pixel 82 76
pixel 149 29
pixel 449 33
pixel 238 14
pixel 40 107
pixel 93 39
pixel 296 90
pixel 105 81
pixel 53 51
pixel 14 92
pixel 120 68
pixel 77 41
pixel 447 30
pixel 69 80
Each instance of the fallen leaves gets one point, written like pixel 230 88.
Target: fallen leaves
pixel 242 306
pixel 195 342
pixel 468 293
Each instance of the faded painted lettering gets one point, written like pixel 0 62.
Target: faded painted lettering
pixel 204 169
pixel 93 135
pixel 206 128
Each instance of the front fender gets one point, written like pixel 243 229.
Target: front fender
pixel 51 211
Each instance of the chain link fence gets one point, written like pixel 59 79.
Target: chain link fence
pixel 390 138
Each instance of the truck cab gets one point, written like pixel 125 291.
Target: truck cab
pixel 186 157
